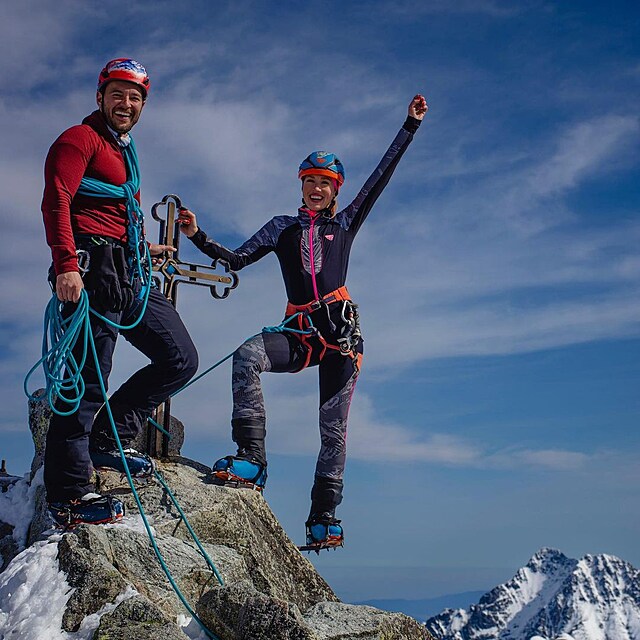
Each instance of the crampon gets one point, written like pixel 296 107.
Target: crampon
pixel 323 533
pixel 92 508
pixel 140 465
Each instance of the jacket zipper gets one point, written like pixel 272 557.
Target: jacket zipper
pixel 312 259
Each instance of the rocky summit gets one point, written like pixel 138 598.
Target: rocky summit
pixel 269 589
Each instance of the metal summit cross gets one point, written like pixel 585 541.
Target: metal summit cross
pixel 172 272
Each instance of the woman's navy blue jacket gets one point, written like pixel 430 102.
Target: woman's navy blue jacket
pixel 313 248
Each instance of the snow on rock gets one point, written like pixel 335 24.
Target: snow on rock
pixel 34 594
pixel 17 502
pixel 17 505
pixel 106 581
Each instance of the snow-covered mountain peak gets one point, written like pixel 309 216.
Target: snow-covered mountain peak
pixel 548 559
pixel 595 598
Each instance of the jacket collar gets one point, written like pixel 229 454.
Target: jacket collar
pixel 305 216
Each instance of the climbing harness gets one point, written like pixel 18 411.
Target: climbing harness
pixel 348 334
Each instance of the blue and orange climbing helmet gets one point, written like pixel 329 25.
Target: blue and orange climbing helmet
pixel 124 69
pixel 322 163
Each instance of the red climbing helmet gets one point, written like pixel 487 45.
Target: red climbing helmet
pixel 125 69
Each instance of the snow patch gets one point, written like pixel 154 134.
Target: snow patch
pixel 34 594
pixel 133 522
pixel 191 628
pixel 17 506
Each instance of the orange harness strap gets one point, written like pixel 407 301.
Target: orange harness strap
pixel 304 310
pixel 335 296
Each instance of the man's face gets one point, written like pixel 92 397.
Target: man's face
pixel 121 104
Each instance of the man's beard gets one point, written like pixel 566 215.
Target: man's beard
pixel 116 127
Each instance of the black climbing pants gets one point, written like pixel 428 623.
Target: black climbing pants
pixel 163 338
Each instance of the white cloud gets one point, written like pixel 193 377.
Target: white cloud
pixel 550 459
pixel 371 438
pixel 403 335
pixel 464 255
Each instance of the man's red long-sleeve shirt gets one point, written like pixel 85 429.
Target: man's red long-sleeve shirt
pixel 88 149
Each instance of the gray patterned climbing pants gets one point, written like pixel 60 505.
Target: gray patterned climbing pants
pixel 282 353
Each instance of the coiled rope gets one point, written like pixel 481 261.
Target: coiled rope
pixel 137 247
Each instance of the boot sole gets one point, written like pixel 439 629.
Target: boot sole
pixel 72 525
pixel 331 543
pixel 226 479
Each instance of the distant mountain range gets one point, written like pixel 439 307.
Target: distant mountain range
pixel 425 608
pixel 594 598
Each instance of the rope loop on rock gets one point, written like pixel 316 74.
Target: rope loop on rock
pixel 210 634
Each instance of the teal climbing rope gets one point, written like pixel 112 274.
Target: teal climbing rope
pixel 210 634
pixel 280 328
pixel 62 370
pixel 136 244
pixel 64 334
pixel 187 524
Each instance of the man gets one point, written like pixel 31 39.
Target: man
pixel 104 232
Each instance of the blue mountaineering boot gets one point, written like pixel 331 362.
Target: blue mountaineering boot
pixel 140 464
pixel 92 508
pixel 323 532
pixel 240 473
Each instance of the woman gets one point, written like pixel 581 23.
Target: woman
pixel 321 325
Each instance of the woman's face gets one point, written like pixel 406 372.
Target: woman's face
pixel 317 192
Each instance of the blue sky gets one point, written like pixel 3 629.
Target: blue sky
pixel 498 276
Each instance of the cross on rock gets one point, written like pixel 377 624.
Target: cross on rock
pixel 169 274
pixel 174 270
